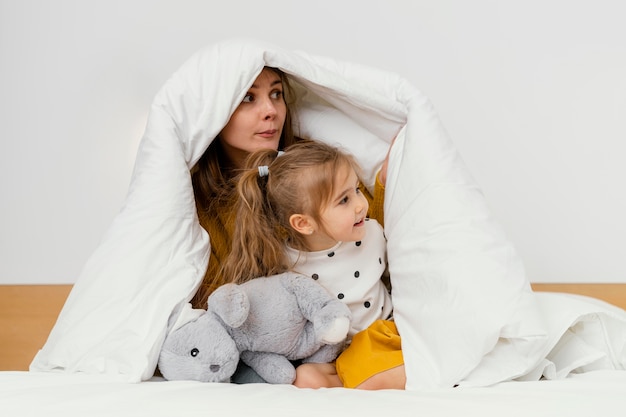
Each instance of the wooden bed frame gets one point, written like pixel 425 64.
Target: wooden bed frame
pixel 28 313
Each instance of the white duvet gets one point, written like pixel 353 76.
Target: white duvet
pixel 463 304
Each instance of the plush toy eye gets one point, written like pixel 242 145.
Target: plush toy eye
pixel 194 352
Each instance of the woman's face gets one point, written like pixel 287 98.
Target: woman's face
pixel 258 121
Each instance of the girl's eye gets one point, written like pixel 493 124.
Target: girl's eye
pixel 249 98
pixel 343 200
pixel 358 190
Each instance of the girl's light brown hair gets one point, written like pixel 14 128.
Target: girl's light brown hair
pixel 301 181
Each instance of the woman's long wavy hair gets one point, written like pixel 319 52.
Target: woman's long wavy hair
pixel 300 181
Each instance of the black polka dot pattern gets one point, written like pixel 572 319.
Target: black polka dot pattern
pixel 359 267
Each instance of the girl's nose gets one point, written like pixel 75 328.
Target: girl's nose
pixel 361 205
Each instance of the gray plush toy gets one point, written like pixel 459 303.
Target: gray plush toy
pixel 267 322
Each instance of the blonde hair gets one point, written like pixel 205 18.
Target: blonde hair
pixel 301 181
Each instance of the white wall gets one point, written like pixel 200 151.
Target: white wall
pixel 532 92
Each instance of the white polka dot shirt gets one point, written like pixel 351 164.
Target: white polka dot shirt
pixel 352 272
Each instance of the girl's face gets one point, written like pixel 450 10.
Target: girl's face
pixel 343 217
pixel 258 121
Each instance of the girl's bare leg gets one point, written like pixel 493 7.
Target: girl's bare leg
pixel 394 378
pixel 317 375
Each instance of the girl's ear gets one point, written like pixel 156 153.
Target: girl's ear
pixel 302 223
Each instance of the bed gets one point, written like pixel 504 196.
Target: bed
pixel 476 337
pixel 28 313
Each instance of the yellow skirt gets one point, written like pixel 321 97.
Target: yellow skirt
pixel 372 351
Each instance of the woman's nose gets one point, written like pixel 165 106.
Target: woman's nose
pixel 269 110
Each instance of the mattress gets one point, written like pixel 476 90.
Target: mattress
pixel 22 394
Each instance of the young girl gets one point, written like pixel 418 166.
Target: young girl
pixel 305 211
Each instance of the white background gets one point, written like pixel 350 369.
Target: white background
pixel 532 92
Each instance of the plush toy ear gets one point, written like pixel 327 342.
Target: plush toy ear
pixel 230 303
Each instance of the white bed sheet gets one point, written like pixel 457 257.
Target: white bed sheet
pixel 598 393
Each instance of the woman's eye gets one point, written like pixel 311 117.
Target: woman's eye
pixel 249 98
pixel 276 94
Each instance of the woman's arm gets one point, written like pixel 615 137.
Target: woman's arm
pixel 377 201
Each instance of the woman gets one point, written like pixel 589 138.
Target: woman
pixel 262 121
